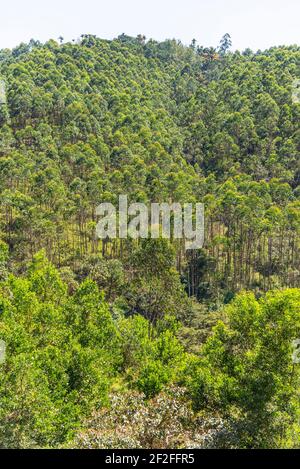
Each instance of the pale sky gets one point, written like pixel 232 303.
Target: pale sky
pixel 257 24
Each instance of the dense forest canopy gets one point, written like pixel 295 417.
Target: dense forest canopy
pixel 95 328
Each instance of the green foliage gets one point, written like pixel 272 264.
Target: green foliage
pixel 246 371
pixel 82 319
pixel 64 352
pixel 55 367
pixel 85 122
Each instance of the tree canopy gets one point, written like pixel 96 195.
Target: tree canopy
pixel 200 341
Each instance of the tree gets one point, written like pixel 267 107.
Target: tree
pixel 247 373
pixel 225 44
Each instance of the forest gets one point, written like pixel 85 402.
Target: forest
pixel 139 343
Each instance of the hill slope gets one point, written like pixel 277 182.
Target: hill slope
pixel 85 122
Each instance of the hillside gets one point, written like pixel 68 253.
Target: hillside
pixel 85 319
pixel 157 121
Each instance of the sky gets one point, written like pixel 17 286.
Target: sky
pixel 257 24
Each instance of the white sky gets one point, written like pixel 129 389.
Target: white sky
pixel 257 24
